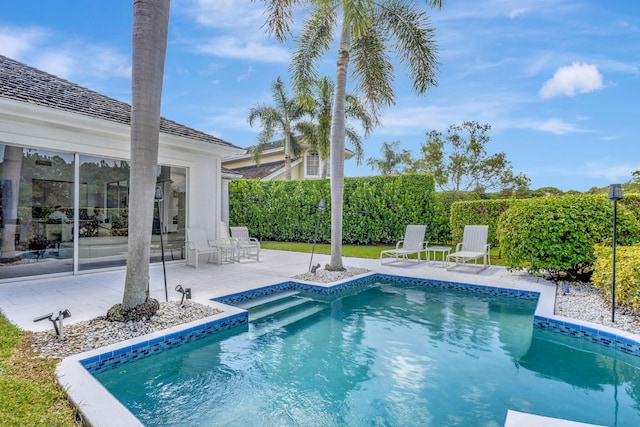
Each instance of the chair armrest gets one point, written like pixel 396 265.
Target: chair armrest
pixel 458 247
pixel 400 243
pixel 192 246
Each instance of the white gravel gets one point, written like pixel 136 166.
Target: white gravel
pixel 586 302
pixel 582 302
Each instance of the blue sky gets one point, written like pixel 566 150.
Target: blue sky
pixel 558 80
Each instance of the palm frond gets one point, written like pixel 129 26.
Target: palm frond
pixel 354 139
pixel 373 71
pixel 279 17
pixel 314 42
pixel 414 41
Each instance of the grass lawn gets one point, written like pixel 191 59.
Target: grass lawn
pixel 357 251
pixel 31 395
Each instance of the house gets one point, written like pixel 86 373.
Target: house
pixel 307 166
pixel 64 161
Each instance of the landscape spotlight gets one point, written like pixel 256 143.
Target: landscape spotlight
pixel 615 194
pixel 63 314
pixel 185 293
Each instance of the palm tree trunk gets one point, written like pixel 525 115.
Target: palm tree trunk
pixel 150 27
pixel 337 151
pixel 287 155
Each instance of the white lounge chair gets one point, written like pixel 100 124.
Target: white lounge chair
pixel 413 243
pixel 249 246
pixel 197 244
pixel 228 247
pixel 472 248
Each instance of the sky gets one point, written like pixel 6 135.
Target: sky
pixel 557 80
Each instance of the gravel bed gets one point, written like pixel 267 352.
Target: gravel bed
pixel 326 276
pixel 98 332
pixel 582 302
pixel 588 303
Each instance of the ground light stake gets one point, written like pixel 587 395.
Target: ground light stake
pixel 615 194
pixel 321 207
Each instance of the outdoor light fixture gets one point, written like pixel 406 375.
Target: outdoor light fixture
pixel 185 293
pixel 321 207
pixel 315 268
pixel 57 326
pixel 615 194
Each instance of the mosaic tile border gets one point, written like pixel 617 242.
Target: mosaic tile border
pixel 140 350
pixel 238 298
pixel 587 333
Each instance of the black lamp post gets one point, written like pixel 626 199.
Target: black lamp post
pixel 615 194
pixel 159 197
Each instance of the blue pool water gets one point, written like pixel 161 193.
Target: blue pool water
pixel 388 355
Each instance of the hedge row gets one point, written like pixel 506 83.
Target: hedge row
pixel 479 212
pixel 558 234
pixel 376 209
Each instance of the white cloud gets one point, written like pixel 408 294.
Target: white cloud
pixel 620 173
pixel 235 30
pixel 234 47
pixel 571 80
pixel 15 42
pixel 557 126
pixel 517 12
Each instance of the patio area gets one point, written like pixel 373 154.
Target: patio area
pixel 90 295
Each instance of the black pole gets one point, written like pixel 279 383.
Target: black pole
pixel 159 197
pixel 613 280
pixel 313 248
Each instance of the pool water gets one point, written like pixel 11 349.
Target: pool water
pixel 389 355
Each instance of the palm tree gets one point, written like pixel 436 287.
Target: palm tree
pixel 285 117
pixel 318 132
pixel 368 30
pixel 391 158
pixel 150 26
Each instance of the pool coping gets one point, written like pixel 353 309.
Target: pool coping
pixel 100 408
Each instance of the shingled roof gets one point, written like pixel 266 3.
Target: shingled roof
pixel 19 82
pixel 265 169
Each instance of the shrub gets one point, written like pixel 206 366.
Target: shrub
pixel 478 212
pixel 558 234
pixel 627 274
pixel 376 209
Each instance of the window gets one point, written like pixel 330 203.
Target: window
pixel 312 164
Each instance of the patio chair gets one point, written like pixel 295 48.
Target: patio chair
pixel 228 247
pixel 413 243
pixel 472 248
pixel 197 244
pixel 249 246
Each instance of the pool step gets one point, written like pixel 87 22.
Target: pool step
pixel 286 318
pixel 264 310
pixel 255 302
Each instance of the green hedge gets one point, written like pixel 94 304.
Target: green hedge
pixel 376 209
pixel 558 234
pixel 480 212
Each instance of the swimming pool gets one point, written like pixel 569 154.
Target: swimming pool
pixel 387 353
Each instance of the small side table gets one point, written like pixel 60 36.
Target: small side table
pixel 444 250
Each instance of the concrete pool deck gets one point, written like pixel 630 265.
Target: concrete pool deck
pixel 87 296
pixel 90 295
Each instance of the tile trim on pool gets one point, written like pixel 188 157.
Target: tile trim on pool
pixel 139 350
pixel 112 359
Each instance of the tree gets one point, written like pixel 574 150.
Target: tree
pixel 318 132
pixel 368 30
pixel 460 162
pixel 150 26
pixel 285 117
pixel 391 159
